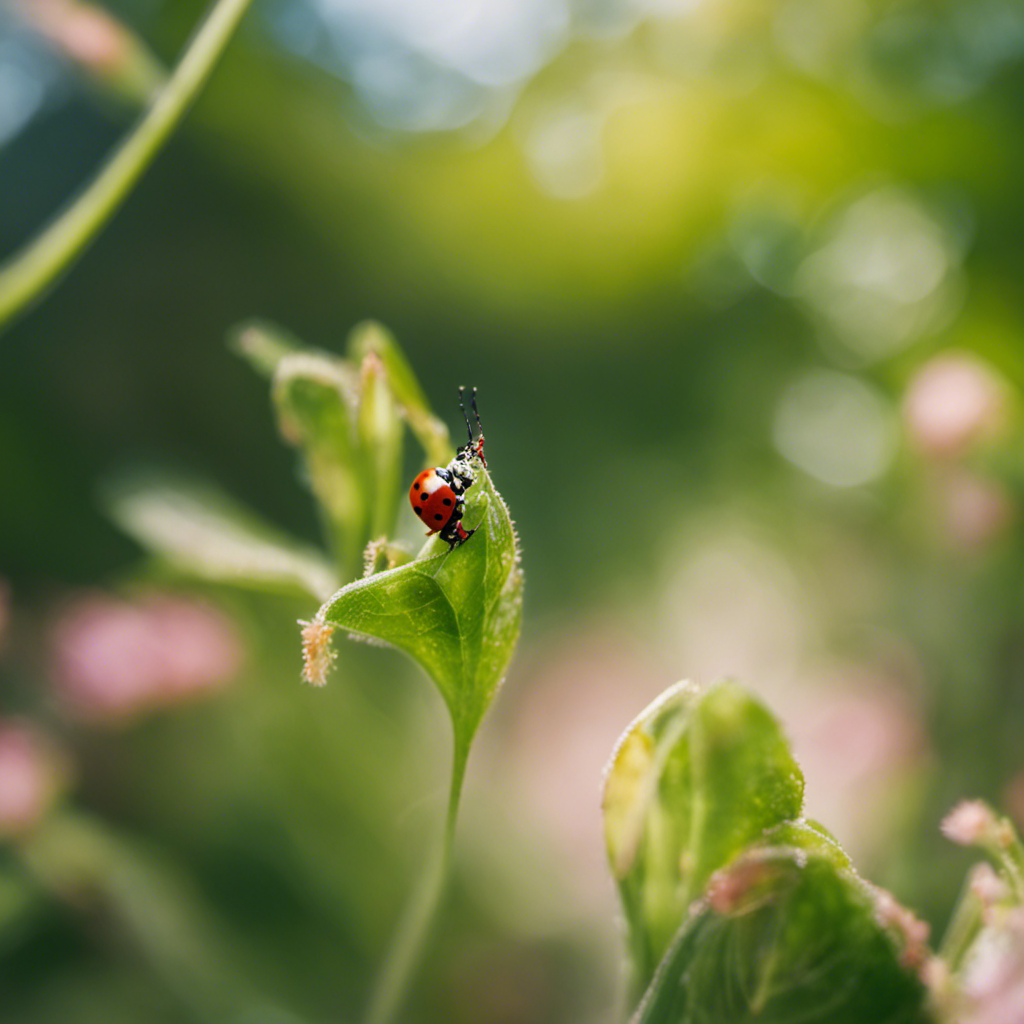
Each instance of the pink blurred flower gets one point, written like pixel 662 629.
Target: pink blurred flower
pixel 972 510
pixel 859 736
pixel 969 823
pixel 954 401
pixel 987 887
pixel 583 693
pixel 30 776
pixel 993 982
pixel 114 659
pixel 84 32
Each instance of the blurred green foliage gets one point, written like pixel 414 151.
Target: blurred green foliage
pixel 695 260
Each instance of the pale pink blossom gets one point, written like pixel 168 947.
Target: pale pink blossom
pixel 954 401
pixel 113 659
pixel 969 823
pixel 29 776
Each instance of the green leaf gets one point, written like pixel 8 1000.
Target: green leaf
pixel 785 937
pixel 317 398
pixel 372 337
pixel 200 531
pixel 380 433
pixel 262 345
pixel 694 780
pixel 457 613
pixel 811 837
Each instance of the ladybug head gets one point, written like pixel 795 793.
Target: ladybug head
pixel 475 445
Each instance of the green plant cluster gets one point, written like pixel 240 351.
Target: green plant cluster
pixel 457 612
pixel 738 909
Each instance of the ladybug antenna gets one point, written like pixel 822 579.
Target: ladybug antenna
pixel 475 444
pixel 462 409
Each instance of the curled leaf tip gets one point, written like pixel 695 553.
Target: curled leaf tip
pixel 746 884
pixel 381 554
pixel 372 554
pixel 910 932
pixel 370 366
pixel 317 653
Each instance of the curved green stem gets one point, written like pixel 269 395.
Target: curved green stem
pixel 414 927
pixel 31 270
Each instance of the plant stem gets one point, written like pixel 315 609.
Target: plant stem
pixel 963 927
pixel 29 272
pixel 413 928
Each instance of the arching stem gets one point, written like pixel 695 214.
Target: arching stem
pixel 36 266
pixel 414 927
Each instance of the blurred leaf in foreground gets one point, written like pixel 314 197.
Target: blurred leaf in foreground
pixel 380 430
pixel 172 930
pixel 262 345
pixel 371 338
pixel 457 613
pixel 786 937
pixel 316 398
pixel 697 778
pixel 200 531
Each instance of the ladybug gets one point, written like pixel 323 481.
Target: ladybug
pixel 438 495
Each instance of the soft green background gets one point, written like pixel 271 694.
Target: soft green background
pixel 633 344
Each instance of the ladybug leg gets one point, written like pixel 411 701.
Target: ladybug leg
pixel 456 535
pixel 453 532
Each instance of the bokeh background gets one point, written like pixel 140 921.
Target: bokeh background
pixel 740 286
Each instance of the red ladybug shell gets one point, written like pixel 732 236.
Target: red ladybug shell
pixel 432 500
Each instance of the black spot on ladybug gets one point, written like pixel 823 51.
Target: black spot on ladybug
pixel 447 501
pixel 438 516
pixel 418 511
pixel 415 487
